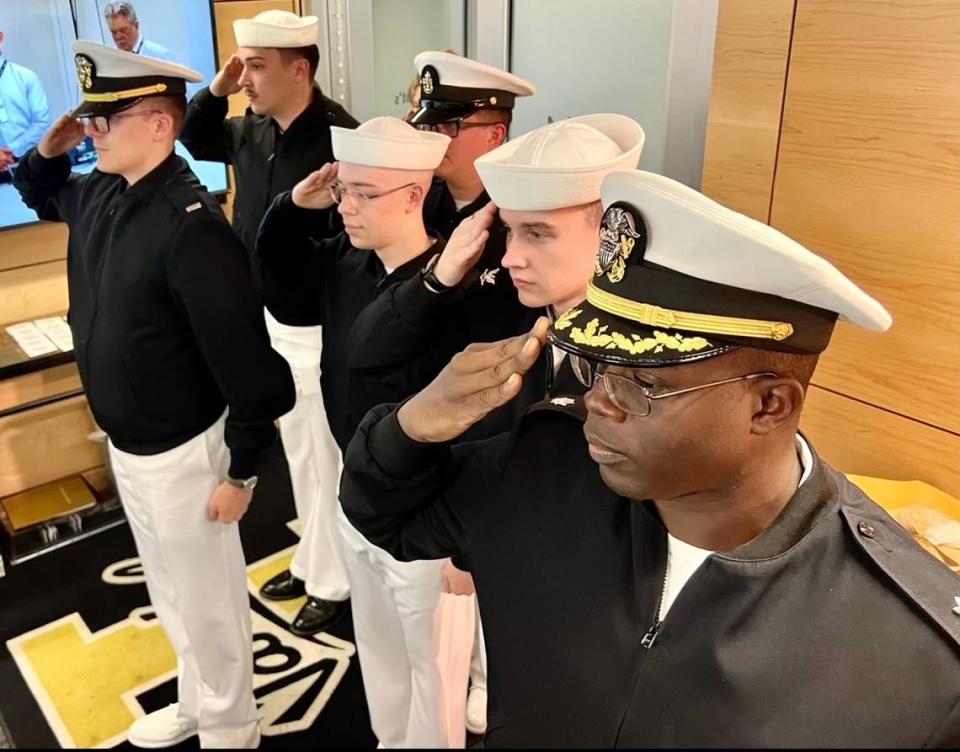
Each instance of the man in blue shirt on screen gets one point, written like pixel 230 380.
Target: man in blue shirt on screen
pixel 24 113
pixel 125 30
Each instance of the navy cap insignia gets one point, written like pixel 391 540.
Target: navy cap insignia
pixel 86 71
pixel 426 81
pixel 618 236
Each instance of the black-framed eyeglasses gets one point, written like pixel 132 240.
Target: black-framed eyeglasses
pixel 101 123
pixel 631 396
pixel 338 191
pixel 451 129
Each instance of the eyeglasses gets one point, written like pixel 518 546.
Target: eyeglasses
pixel 101 123
pixel 451 129
pixel 337 193
pixel 633 397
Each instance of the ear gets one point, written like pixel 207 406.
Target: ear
pixel 303 70
pixel 164 127
pixel 415 196
pixel 498 134
pixel 776 403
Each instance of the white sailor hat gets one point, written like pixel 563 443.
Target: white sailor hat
pixel 561 164
pixel 681 278
pixel 453 87
pixel 389 142
pixel 112 80
pixel 277 28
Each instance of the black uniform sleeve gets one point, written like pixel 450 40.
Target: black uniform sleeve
pixel 400 325
pixel 48 186
pixel 207 132
pixel 419 501
pixel 210 275
pixel 290 259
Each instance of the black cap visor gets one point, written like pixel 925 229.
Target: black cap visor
pixel 434 113
pixel 99 109
pixel 592 333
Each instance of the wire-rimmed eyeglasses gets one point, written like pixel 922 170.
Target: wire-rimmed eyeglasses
pixel 631 396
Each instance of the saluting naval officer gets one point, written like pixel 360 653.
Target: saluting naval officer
pixel 379 184
pixel 283 137
pixel 667 562
pixel 175 361
pixel 546 186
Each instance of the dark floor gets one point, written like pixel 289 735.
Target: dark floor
pixel 293 677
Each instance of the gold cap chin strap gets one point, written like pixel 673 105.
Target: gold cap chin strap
pixel 652 315
pixel 116 96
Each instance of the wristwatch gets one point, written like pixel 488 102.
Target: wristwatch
pixel 430 280
pixel 247 485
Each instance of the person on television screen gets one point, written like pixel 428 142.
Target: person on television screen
pixel 125 30
pixel 24 113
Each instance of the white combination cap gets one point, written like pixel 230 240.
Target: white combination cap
pixel 453 87
pixel 112 80
pixel 681 278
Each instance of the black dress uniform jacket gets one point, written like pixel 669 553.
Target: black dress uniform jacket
pixel 266 162
pixel 409 333
pixel 831 629
pixel 334 283
pixel 167 327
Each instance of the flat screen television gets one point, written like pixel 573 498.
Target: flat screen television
pixel 38 77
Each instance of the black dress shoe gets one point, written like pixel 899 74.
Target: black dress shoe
pixel 318 615
pixel 283 587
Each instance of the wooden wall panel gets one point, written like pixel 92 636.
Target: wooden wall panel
pixel 32 292
pixel 31 387
pixel 33 244
pixel 46 443
pixel 858 438
pixel 743 125
pixel 868 176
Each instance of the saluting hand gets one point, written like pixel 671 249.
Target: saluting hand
pixel 313 192
pixel 227 80
pixel 465 246
pixel 228 503
pixel 62 136
pixel 477 381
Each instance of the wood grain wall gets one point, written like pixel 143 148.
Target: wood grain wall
pixel 743 124
pixel 867 174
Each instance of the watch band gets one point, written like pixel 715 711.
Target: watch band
pixel 430 280
pixel 247 484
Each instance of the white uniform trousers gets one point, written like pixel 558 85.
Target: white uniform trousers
pixel 478 661
pixel 393 620
pixel 197 580
pixel 314 462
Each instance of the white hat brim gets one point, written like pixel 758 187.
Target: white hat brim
pixel 518 187
pixel 421 151
pixel 252 33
